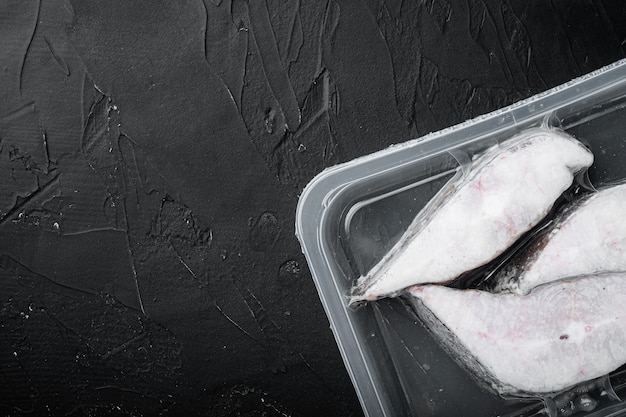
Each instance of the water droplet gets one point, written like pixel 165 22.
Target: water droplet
pixel 289 270
pixel 264 232
pixel 585 403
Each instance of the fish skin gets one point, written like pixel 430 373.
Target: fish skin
pixel 477 216
pixel 559 335
pixel 589 238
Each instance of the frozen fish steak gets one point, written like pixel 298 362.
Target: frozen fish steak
pixel 476 216
pixel 589 238
pixel 559 335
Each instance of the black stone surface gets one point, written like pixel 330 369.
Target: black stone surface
pixel 151 158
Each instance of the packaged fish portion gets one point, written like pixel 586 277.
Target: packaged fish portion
pixel 589 238
pixel 484 209
pixel 559 335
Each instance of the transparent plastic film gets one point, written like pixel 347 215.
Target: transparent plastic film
pixel 355 219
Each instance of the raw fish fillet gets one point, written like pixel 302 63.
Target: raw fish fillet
pixel 476 216
pixel 589 238
pixel 559 335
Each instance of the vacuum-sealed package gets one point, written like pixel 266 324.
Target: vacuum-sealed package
pixel 481 270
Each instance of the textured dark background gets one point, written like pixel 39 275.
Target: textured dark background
pixel 151 157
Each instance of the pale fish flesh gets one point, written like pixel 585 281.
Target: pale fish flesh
pixel 589 238
pixel 559 335
pixel 505 192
